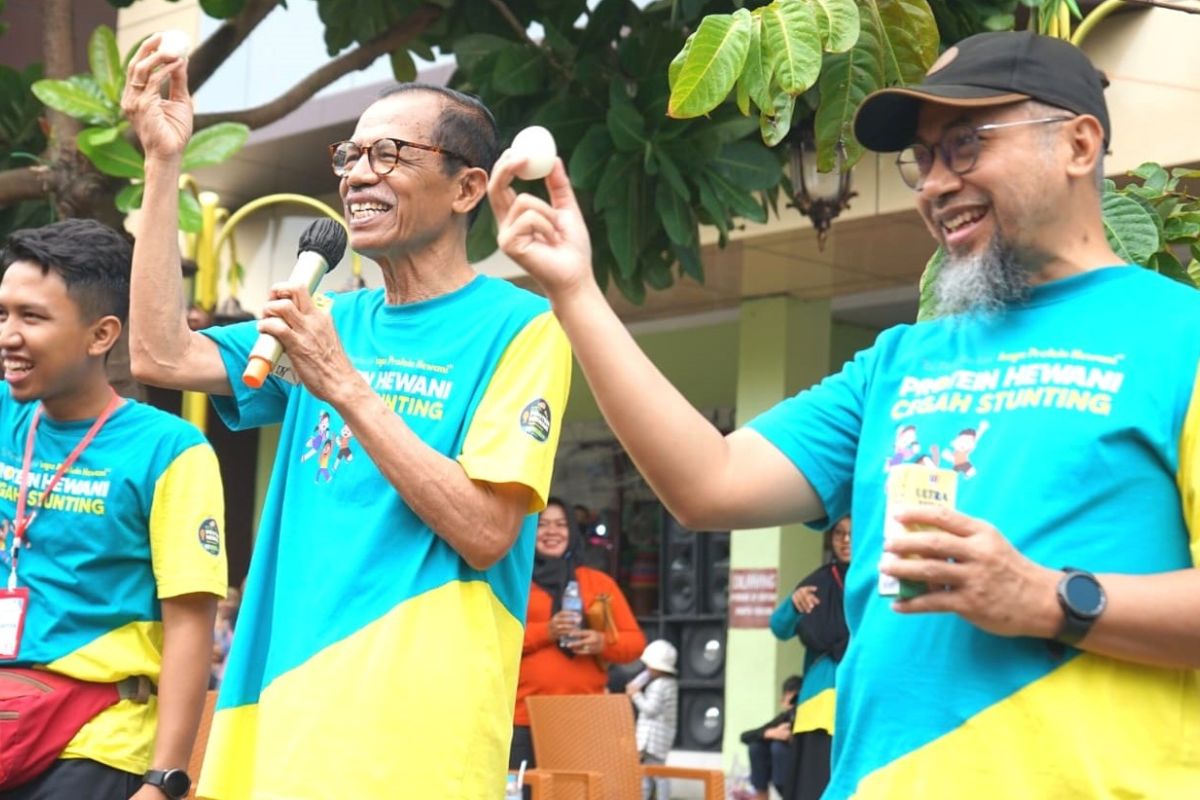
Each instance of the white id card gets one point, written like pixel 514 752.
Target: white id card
pixel 13 605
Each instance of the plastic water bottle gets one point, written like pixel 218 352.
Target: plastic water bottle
pixel 572 601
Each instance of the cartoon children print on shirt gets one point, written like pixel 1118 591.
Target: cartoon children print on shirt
pixel 907 450
pixel 959 453
pixel 319 436
pixel 326 447
pixel 906 446
pixel 344 452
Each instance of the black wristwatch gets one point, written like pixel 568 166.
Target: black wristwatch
pixel 174 783
pixel 1083 601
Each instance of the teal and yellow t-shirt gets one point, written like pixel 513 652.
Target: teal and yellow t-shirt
pixel 138 518
pixel 1071 424
pixel 370 660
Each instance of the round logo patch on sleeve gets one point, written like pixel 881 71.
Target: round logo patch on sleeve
pixel 210 536
pixel 535 419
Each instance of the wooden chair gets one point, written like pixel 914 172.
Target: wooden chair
pixel 197 757
pixel 595 733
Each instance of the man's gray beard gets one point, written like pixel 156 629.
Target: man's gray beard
pixel 983 284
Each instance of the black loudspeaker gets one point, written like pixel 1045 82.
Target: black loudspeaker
pixel 716 573
pixel 702 656
pixel 682 568
pixel 701 719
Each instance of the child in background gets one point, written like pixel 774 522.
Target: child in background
pixel 655 693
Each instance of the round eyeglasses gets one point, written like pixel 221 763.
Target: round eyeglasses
pixel 382 155
pixel 959 148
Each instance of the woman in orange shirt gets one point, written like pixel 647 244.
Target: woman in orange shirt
pixel 581 666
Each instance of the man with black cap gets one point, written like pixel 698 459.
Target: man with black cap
pixel 1056 653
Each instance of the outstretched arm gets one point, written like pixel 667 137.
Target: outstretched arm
pixel 163 350
pixel 707 480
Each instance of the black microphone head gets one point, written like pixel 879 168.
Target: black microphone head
pixel 326 238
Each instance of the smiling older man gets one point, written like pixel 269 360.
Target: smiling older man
pixel 380 635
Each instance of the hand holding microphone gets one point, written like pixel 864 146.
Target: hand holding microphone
pixel 321 247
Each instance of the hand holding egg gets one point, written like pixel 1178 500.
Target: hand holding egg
pixel 174 43
pixel 536 145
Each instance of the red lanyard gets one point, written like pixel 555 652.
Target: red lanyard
pixel 22 522
pixel 837 576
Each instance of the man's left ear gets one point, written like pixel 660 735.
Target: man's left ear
pixel 472 186
pixel 1087 145
pixel 103 335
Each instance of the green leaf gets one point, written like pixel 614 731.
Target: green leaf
pixel 112 155
pixel 190 219
pixel 792 40
pixel 674 177
pixel 620 172
pixel 214 144
pixel 632 288
pixel 589 159
pixel 775 125
pixel 845 82
pixel 222 9
pixel 838 23
pixel 1129 228
pixel 626 127
pixel 689 260
pixel 472 49
pixel 748 165
pixel 404 69
pixel 1165 263
pixel 105 60
pixel 76 99
pixel 1153 177
pixel 711 64
pixel 621 222
pixel 739 201
pixel 757 71
pixel 675 214
pixel 656 269
pixel 927 305
pixel 908 38
pixel 716 211
pixel 1180 229
pixel 520 71
pixel 130 197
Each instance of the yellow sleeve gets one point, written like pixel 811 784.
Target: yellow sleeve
pixel 187 522
pixel 513 435
pixel 1189 472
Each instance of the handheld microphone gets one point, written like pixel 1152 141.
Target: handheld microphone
pixel 321 247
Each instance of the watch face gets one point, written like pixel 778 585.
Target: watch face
pixel 1084 595
pixel 176 783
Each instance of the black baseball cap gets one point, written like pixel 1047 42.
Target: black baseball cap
pixel 987 69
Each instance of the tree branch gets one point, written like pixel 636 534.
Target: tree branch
pixel 515 24
pixel 359 58
pixel 58 28
pixel 23 183
pixel 213 51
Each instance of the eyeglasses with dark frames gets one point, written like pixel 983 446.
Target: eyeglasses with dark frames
pixel 959 148
pixel 382 155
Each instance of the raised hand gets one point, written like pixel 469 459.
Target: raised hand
pixel 163 125
pixel 549 240
pixel 805 599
